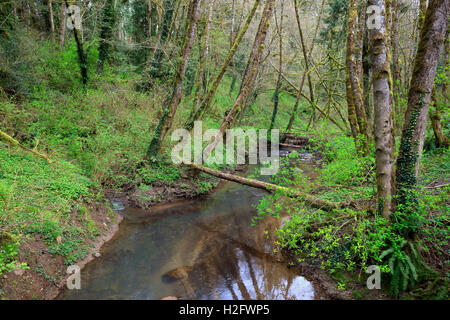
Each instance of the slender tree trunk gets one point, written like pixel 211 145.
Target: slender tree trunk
pixel 174 20
pixel 383 126
pixel 52 23
pixel 62 25
pixel 233 20
pixel 352 118
pixel 356 112
pixel 203 60
pixel 252 70
pixel 396 72
pixel 212 91
pixel 306 72
pixel 442 141
pixel 431 43
pixel 150 11
pixel 169 113
pixel 280 71
pixel 435 116
pixel 158 34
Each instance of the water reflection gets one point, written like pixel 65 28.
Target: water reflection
pixel 204 249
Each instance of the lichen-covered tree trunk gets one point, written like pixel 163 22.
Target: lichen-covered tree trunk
pixel 169 112
pixel 383 126
pixel 425 66
pixel 356 113
pixel 206 102
pixel 106 33
pixel 252 70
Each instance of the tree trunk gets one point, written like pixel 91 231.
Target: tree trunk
pixel 158 34
pixel 212 91
pixel 435 116
pixel 166 120
pixel 62 25
pixel 52 23
pixel 356 112
pixel 252 70
pixel 203 59
pixel 436 121
pixel 233 20
pixel 396 72
pixel 306 72
pixel 383 126
pixel 280 71
pixel 431 42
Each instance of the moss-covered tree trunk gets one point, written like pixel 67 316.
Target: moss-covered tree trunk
pixel 206 102
pixel 442 141
pixel 430 45
pixel 436 122
pixel 383 126
pixel 252 70
pixel 169 112
pixel 204 56
pixel 52 22
pixel 356 112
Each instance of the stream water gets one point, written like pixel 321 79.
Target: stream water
pixel 200 249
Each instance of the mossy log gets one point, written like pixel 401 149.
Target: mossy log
pixel 310 200
pixel 13 142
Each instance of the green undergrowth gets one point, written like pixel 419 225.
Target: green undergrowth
pixel 37 197
pixel 351 240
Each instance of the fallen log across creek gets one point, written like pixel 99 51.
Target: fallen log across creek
pixel 310 200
